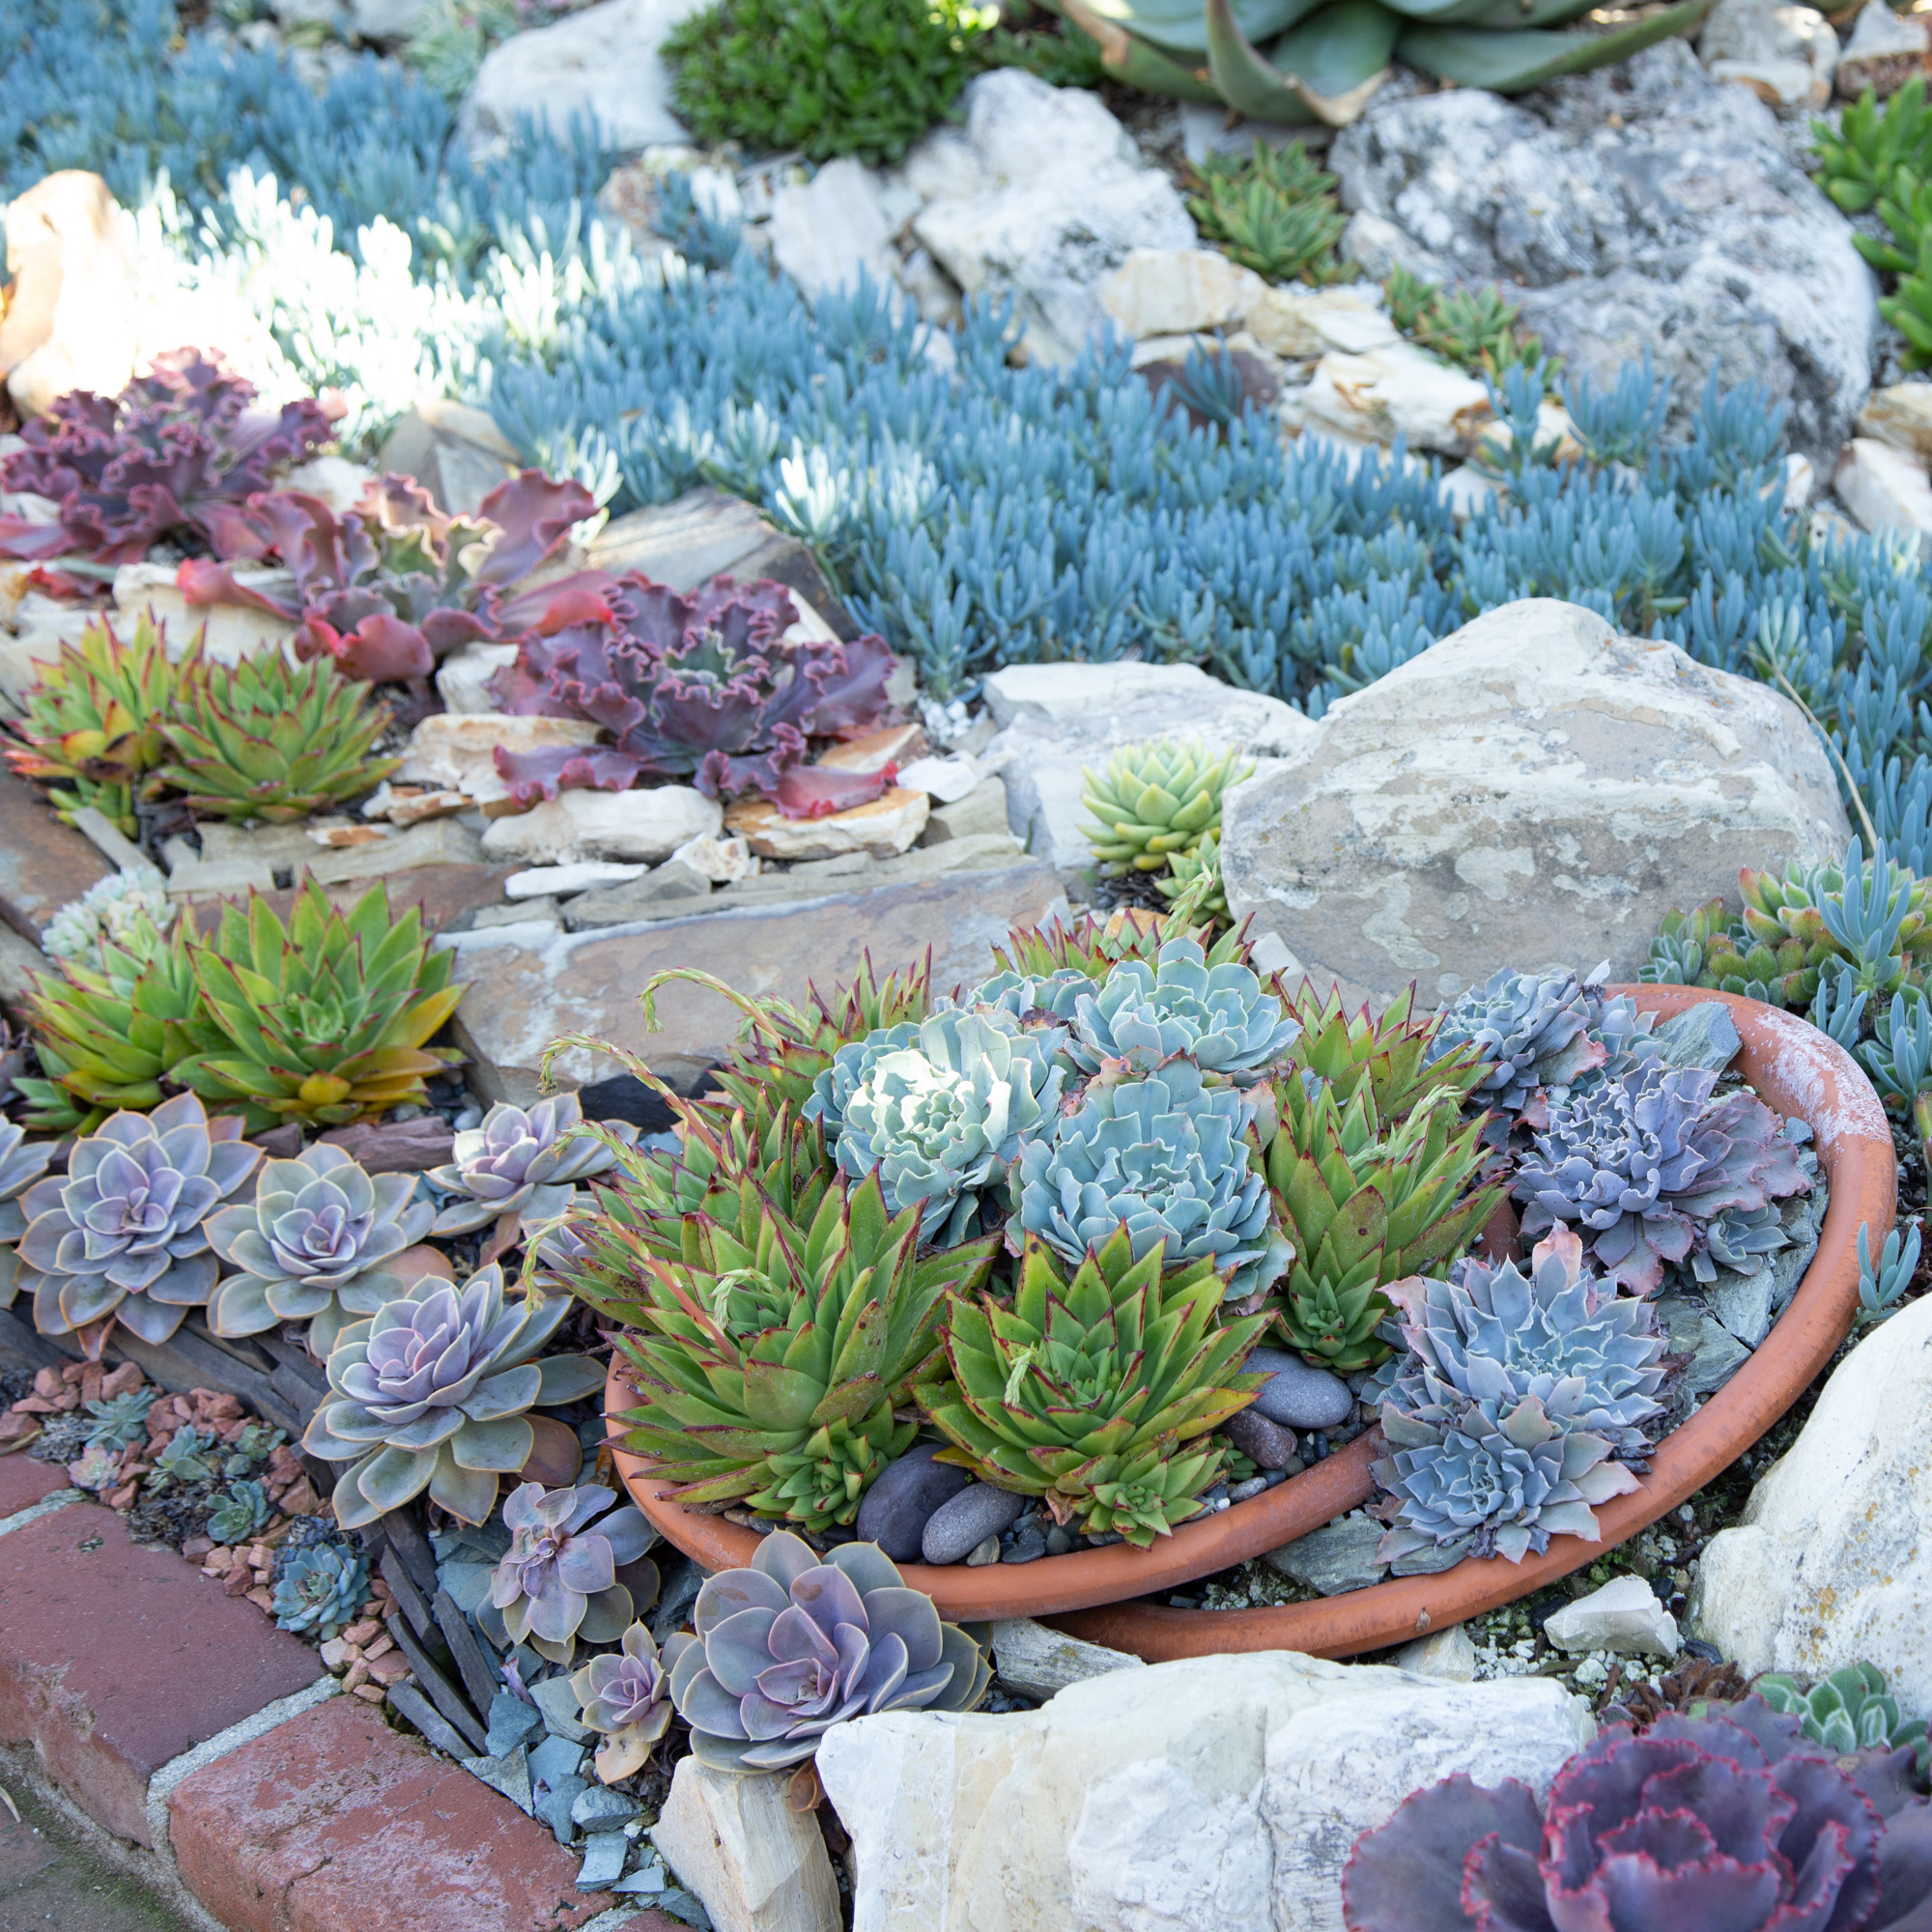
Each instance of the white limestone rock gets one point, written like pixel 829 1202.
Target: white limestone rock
pixel 1624 1616
pixel 1221 1793
pixel 1532 787
pixel 1885 52
pixel 1900 415
pixel 826 231
pixel 235 631
pixel 1040 1662
pixel 1055 718
pixel 1885 489
pixel 1786 55
pixel 638 825
pixel 1297 322
pixel 1830 1563
pixel 1174 291
pixel 722 860
pixel 463 677
pixel 889 825
pixel 458 749
pixel 1399 390
pixel 754 1864
pixel 1447 1653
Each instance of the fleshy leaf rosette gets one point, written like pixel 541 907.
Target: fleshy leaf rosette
pixel 319 1587
pixel 1642 1164
pixel 1169 1156
pixel 313 1246
pixel 1221 1017
pixel 625 1697
pixel 799 1642
pixel 522 1161
pixel 1731 1822
pixel 432 1392
pixel 22 1162
pixel 938 1107
pixel 121 1235
pixel 559 1582
pixel 706 686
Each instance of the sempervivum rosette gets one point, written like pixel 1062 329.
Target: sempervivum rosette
pixel 119 1237
pixel 313 1246
pixel 938 1108
pixel 431 1394
pixel 522 1161
pixel 799 1642
pixel 1642 1164
pixel 1221 1017
pixel 1167 1157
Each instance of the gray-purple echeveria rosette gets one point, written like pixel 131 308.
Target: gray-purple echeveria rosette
pixel 559 1582
pixel 523 1161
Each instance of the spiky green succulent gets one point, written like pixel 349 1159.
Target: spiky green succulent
pixel 773 1347
pixel 1363 1207
pixel 321 1021
pixel 1221 1017
pixel 91 723
pixel 1399 1055
pixel 1100 1392
pixel 433 1392
pixel 267 739
pixel 1094 945
pixel 938 1108
pixel 1154 800
pixel 1184 869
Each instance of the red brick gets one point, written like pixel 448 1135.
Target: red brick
pixel 334 1823
pixel 23 1481
pixel 116 1658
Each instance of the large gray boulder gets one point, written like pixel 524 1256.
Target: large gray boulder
pixel 1831 1564
pixel 1216 1794
pixel 1533 788
pixel 1651 207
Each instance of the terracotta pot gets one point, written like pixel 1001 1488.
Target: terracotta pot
pixel 1796 1069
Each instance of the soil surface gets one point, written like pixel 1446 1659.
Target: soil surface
pixel 52 1881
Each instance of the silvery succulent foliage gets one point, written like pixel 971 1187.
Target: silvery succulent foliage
pixel 1221 1017
pixel 522 1161
pixel 1543 1031
pixel 1169 1156
pixel 431 1394
pixel 122 1235
pixel 625 1696
pixel 799 1642
pixel 109 908
pixel 1493 1337
pixel 22 1162
pixel 939 1107
pixel 314 1247
pixel 558 1580
pixel 1644 1163
pixel 1037 997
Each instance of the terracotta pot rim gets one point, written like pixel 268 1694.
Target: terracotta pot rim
pixel 1797 1069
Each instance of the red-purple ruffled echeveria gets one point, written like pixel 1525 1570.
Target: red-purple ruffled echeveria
pixel 1731 1822
pixel 799 1642
pixel 705 687
pixel 387 588
pixel 176 453
pixel 627 1698
pixel 559 1580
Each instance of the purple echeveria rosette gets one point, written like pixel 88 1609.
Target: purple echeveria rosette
pixel 558 1580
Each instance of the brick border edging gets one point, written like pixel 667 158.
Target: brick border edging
pixel 43 1717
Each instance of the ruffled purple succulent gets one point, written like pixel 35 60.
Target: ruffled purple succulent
pixel 625 1696
pixel 705 687
pixel 799 1642
pixel 1727 1822
pixel 559 1580
pixel 1643 1163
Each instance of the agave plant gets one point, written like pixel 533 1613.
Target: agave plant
pixel 1324 61
pixel 775 1345
pixel 1361 1209
pixel 1731 1819
pixel 321 1021
pixel 522 1161
pixel 796 1643
pixel 1220 1017
pixel 1100 1393
pixel 1156 799
pixel 313 1246
pixel 1849 1709
pixel 706 686
pixel 938 1109
pixel 121 1236
pixel 1646 1164
pixel 558 1580
pixel 267 739
pixel 432 1393
pixel 318 1587
pixel 1165 1155
pixel 90 728
pixel 625 1698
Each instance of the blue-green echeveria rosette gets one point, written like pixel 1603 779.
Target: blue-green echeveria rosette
pixel 939 1107
pixel 1221 1017
pixel 558 1580
pixel 1036 998
pixel 22 1162
pixel 1168 1156
pixel 799 1642
pixel 319 1587
pixel 314 1247
pixel 522 1161
pixel 431 1393
pixel 121 1236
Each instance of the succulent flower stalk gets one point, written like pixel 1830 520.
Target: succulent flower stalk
pixel 523 1163
pixel 625 1697
pixel 559 1582
pixel 796 1643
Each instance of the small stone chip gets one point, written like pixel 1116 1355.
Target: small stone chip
pixel 603 1859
